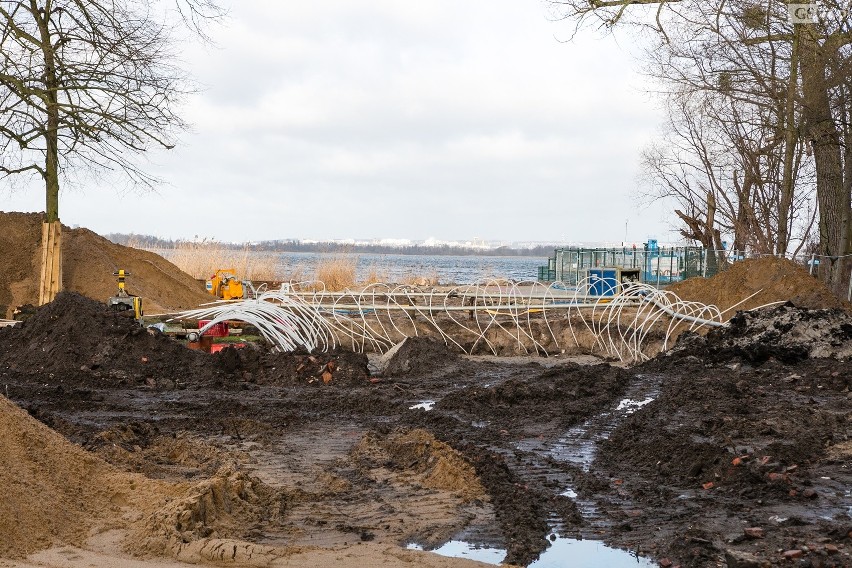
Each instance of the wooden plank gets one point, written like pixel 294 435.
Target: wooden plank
pixel 51 271
pixel 56 276
pixel 44 257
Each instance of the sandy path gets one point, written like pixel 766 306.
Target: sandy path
pixel 104 551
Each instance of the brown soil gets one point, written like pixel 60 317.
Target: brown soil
pixel 89 261
pixel 241 453
pixel 54 491
pixel 775 279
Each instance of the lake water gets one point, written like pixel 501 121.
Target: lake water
pixel 400 267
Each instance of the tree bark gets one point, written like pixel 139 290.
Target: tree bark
pixel 51 134
pixel 822 133
pixel 789 147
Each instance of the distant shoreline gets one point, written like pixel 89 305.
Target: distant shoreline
pixel 151 242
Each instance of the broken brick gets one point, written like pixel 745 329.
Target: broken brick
pixel 753 532
pixel 832 549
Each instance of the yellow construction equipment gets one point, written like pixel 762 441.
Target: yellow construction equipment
pixel 124 301
pixel 225 285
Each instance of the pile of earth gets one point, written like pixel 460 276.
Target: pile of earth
pixel 786 333
pixel 53 490
pixel 57 493
pixel 753 419
pixel 414 355
pixel 76 341
pixel 770 279
pixel 88 264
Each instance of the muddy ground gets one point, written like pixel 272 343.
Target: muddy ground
pixel 733 450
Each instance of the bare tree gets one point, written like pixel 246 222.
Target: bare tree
pixel 91 84
pixel 804 78
pixel 727 141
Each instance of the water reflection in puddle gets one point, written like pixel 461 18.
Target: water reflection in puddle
pixel 562 553
pixel 461 549
pixel 425 405
pixel 573 553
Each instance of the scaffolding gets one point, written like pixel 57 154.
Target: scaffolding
pixel 657 265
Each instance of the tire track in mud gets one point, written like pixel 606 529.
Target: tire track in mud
pixel 564 465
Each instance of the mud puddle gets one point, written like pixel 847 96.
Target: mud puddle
pixel 563 553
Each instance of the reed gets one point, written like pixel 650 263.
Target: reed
pixel 337 272
pixel 201 259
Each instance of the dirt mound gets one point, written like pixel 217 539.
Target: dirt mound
pixel 431 462
pixel 776 279
pixel 786 333
pixel 89 261
pixel 338 367
pixel 751 416
pixel 752 432
pixel 76 341
pixel 75 338
pixel 54 492
pixel 416 355
pixel 229 505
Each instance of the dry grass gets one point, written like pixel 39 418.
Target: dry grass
pixel 201 259
pixel 337 272
pixel 414 280
pixel 375 275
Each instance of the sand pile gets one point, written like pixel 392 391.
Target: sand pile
pixel 56 493
pixel 423 460
pixel 53 491
pixel 229 504
pixel 89 261
pixel 776 279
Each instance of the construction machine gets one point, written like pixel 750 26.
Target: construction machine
pixel 123 301
pixel 225 285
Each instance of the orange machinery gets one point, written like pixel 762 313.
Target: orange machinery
pixel 225 285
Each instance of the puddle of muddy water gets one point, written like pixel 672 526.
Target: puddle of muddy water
pixel 562 553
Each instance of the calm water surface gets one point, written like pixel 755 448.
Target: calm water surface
pixel 399 267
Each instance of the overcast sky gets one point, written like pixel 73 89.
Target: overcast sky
pixel 385 119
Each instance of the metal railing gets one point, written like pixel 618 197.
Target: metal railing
pixel 664 265
pixel 658 266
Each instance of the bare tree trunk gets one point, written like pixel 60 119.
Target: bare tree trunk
pixel 51 270
pixel 51 161
pixel 823 135
pixel 743 226
pixel 789 148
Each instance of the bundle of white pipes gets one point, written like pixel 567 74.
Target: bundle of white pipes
pixel 379 315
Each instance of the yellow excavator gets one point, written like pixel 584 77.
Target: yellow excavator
pixel 225 285
pixel 123 301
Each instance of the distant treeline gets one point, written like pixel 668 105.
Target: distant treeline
pixel 151 242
